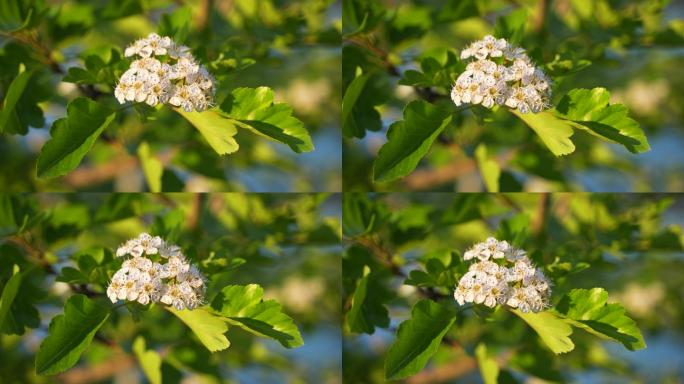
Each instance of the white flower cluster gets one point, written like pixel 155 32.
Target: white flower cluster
pixel 140 279
pixel 503 275
pixel 501 74
pixel 165 73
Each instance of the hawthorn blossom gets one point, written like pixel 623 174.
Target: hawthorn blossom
pixel 165 73
pixel 502 275
pixel 501 75
pixel 176 282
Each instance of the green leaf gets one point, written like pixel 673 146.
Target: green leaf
pixel 242 305
pixel 363 94
pixel 216 129
pixel 72 276
pixel 208 328
pixel 9 293
pixel 409 140
pixel 360 16
pixel 149 360
pixel 437 70
pixel 588 309
pixel 350 126
pixel 589 109
pixel 554 132
pixel 123 8
pixel 176 24
pixel 254 109
pixel 73 136
pixel 152 167
pixel 9 120
pixel 553 330
pixel 489 168
pixel 512 26
pixel 488 367
pixel 358 216
pixel 418 339
pixel 13 15
pixel 80 76
pixel 454 10
pixel 367 310
pixel 70 334
pixel 22 312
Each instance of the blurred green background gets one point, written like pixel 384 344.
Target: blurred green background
pixel 630 244
pixel 289 244
pixel 291 46
pixel 635 51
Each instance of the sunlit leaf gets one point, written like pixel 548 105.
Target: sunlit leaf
pixel 589 109
pixel 254 109
pixel 149 360
pixel 588 309
pixel 208 327
pixel 553 330
pixel 243 305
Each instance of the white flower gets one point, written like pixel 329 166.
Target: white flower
pixel 515 82
pixel 140 279
pixel 177 79
pixel 502 275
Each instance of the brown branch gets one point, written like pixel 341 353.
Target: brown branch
pixel 542 11
pixel 539 223
pixel 204 14
pixel 44 54
pixel 195 210
pixel 37 256
pixel 458 369
pixel 96 373
pixel 92 175
pixel 428 178
pixel 379 53
pixel 506 199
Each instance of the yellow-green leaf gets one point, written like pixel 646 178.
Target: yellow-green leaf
pixel 149 360
pixel 553 330
pixel 152 167
pixel 554 132
pixel 208 328
pixel 216 129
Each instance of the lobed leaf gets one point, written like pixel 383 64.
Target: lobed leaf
pixel 242 305
pixel 589 109
pixel 588 309
pixel 70 334
pixel 73 136
pixel 254 109
pixel 418 339
pixel 409 140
